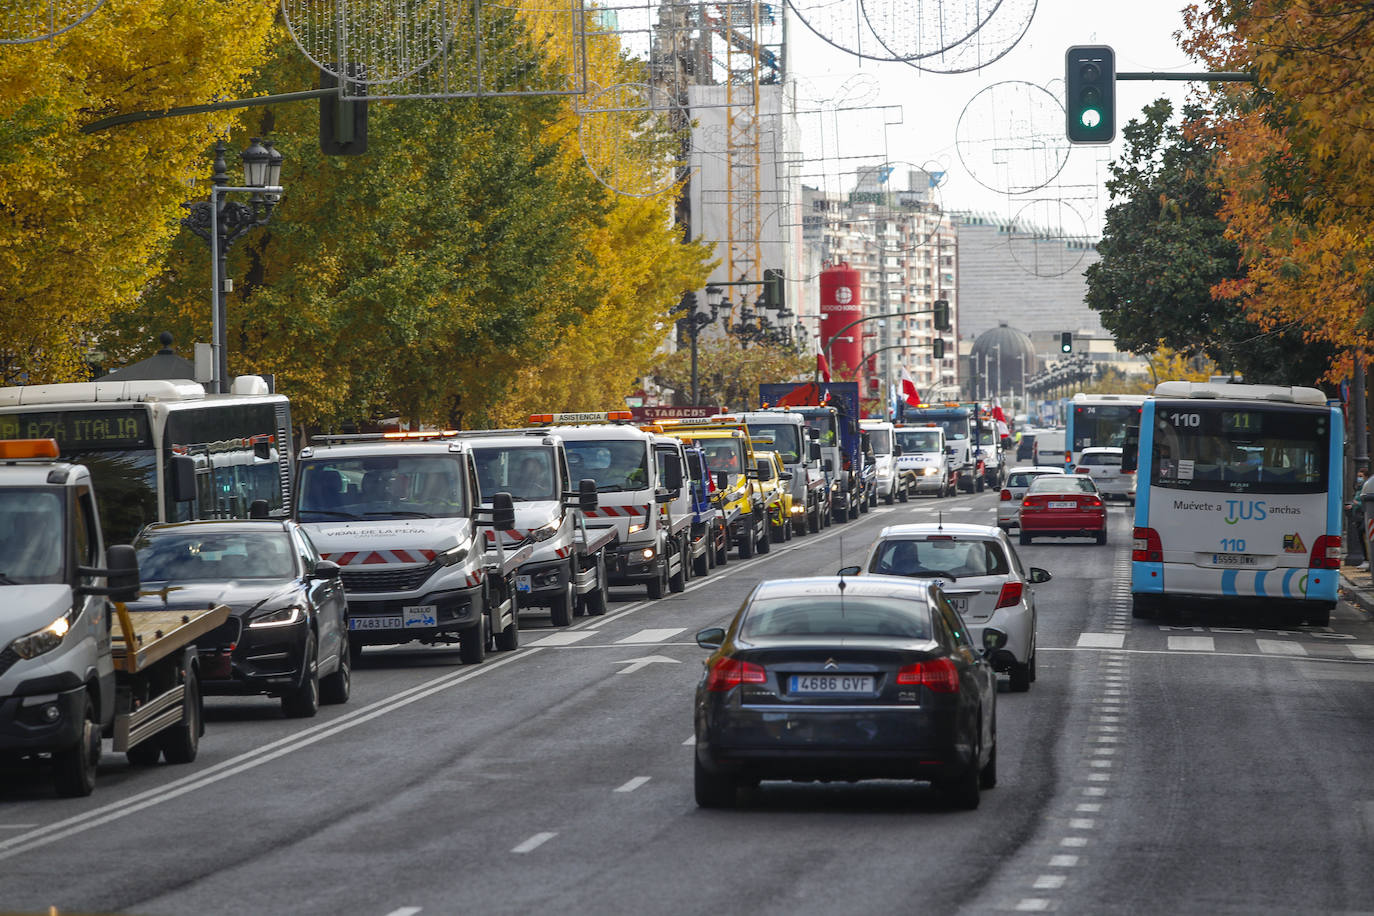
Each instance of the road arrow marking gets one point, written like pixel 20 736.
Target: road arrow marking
pixel 634 664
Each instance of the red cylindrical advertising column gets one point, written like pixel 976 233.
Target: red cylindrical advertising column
pixel 840 306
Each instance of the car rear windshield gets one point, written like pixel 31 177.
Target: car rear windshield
pixel 1062 483
pixel 829 615
pixel 1022 480
pixel 1105 459
pixel 939 555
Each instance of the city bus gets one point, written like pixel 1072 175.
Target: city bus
pixel 163 451
pixel 1238 497
pixel 1102 420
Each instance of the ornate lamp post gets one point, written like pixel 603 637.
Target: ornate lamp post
pixel 220 223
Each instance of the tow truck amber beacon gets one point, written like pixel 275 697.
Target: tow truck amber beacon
pixel 631 486
pixel 401 513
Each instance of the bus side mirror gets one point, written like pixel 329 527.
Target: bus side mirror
pixel 258 509
pixel 502 511
pixel 183 483
pixel 587 500
pixel 262 449
pixel 829 466
pixel 1130 452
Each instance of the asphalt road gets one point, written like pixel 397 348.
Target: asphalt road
pixel 1210 766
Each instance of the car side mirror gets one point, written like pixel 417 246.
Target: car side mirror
pixel 258 509
pixel 327 569
pixel 849 571
pixel 1038 575
pixel 502 511
pixel 993 639
pixel 183 484
pixel 587 498
pixel 711 637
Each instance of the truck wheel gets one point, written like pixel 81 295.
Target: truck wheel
pixel 508 640
pixel 905 494
pixel 181 742
pixel 74 768
pixel 304 701
pixel 723 553
pixel 561 606
pixel 145 753
pixel 336 687
pixel 594 602
pixel 891 496
pixel 472 642
pixel 677 581
pixel 746 544
pixel 702 565
pixel 765 538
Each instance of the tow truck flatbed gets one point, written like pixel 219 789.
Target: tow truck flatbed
pixel 157 634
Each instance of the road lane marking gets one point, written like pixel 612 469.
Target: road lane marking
pixel 1099 763
pixel 1075 842
pixel 1100 640
pixel 534 842
pixel 1094 791
pixel 1191 644
pixel 563 639
pixel 1176 654
pixel 1082 823
pixel 405 911
pixel 17 826
pixel 633 784
pixel 1063 861
pixel 660 634
pixel 634 664
pixel 1049 882
pixel 1032 905
pixel 1364 652
pixel 1089 808
pixel 1279 647
pixel 690 741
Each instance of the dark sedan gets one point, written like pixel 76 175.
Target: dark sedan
pixel 287 633
pixel 840 679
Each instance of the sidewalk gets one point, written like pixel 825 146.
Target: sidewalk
pixel 1357 588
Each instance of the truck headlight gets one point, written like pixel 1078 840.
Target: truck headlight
pixel 544 532
pixel 282 618
pixel 34 644
pixel 637 527
pixel 453 556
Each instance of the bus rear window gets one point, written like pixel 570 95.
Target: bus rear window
pixel 1231 449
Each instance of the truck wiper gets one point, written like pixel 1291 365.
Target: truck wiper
pixel 402 513
pixel 609 488
pixel 331 512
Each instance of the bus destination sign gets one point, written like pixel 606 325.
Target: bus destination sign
pixel 80 430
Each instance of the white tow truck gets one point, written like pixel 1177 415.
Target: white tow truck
pixel 401 513
pixel 926 457
pixel 893 481
pixel 567 571
pixel 68 675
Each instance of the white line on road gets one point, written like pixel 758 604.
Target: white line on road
pixel 1063 861
pixel 1191 644
pixel 652 635
pixel 1089 808
pixel 1365 652
pixel 633 784
pixel 690 741
pixel 534 842
pixel 405 911
pixel 1049 882
pixel 1100 640
pixel 1074 841
pixel 1032 905
pixel 17 826
pixel 1082 823
pixel 1279 647
pixel 563 639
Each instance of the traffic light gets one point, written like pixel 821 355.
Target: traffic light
pixel 774 294
pixel 1066 342
pixel 1090 93
pixel 937 348
pixel 343 121
pixel 942 315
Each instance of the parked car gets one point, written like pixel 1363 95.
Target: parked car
pixel 845 678
pixel 1103 465
pixel 1018 480
pixel 980 574
pixel 1065 506
pixel 287 632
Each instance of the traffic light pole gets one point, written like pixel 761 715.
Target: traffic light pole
pixel 825 350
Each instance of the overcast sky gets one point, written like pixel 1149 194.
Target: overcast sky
pixel 991 159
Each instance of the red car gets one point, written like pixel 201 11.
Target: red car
pixel 1065 506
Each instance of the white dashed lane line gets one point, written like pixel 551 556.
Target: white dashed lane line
pixel 534 842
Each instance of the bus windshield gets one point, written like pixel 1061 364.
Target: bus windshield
pixel 915 441
pixel 786 441
pixel 1239 449
pixel 526 473
pixel 1103 424
pixel 381 487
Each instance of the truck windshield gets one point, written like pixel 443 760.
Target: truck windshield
pixel 526 473
pixel 988 437
pixel 824 425
pixel 785 436
pixel 881 440
pixel 914 441
pixel 32 536
pixel 381 487
pixel 727 455
pixel 615 464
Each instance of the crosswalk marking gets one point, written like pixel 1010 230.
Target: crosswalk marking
pixel 563 639
pixel 1192 643
pixel 1365 652
pixel 651 635
pixel 1279 647
pixel 1101 640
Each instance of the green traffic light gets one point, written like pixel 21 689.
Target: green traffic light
pixel 1090 117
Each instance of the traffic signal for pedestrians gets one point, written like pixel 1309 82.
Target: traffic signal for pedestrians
pixel 1090 93
pixel 1066 342
pixel 937 348
pixel 942 315
pixel 774 294
pixel 343 121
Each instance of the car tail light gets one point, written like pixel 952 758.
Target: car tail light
pixel 1147 547
pixel 1090 501
pixel 1326 553
pixel 939 674
pixel 1006 496
pixel 731 672
pixel 1082 470
pixel 1010 595
pixel 1131 471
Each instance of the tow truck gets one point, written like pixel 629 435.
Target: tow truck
pixel 729 452
pixel 68 675
pixel 831 409
pixel 957 422
pixel 796 444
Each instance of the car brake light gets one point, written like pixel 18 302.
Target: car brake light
pixel 1082 470
pixel 939 674
pixel 1006 496
pixel 1146 546
pixel 1131 471
pixel 1089 501
pixel 1010 595
pixel 1326 553
pixel 731 672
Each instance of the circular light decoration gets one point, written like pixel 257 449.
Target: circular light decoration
pixel 1011 139
pixel 376 42
pixel 897 29
pixel 990 43
pixel 1048 237
pixel 634 138
pixel 28 21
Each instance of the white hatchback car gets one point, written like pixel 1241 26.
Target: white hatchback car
pixel 1018 479
pixel 1103 465
pixel 979 572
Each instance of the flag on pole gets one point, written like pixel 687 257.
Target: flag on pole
pixel 909 392
pixel 822 367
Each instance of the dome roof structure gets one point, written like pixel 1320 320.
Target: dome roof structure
pixel 999 359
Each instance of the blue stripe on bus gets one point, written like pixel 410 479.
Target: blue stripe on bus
pixel 1335 475
pixel 1228 582
pixel 1147 578
pixel 1288 583
pixel 1142 475
pixel 1259 583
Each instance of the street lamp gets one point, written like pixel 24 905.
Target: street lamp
pixel 220 223
pixel 693 320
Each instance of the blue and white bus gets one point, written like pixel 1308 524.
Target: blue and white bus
pixel 1238 497
pixel 1101 420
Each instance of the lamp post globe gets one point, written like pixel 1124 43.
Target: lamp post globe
pixel 257 164
pixel 273 169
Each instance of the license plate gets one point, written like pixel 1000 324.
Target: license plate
pixel 1063 504
pixel 831 683
pixel 959 604
pixel 374 623
pixel 523 584
pixel 420 615
pixel 1234 559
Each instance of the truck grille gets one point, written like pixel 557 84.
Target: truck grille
pixel 387 580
